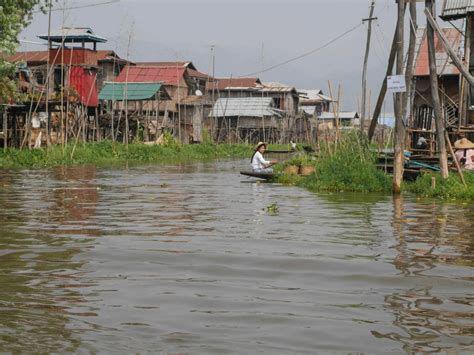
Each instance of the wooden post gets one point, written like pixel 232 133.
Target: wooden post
pixel 410 59
pixel 439 117
pixel 467 59
pixel 366 59
pixel 399 158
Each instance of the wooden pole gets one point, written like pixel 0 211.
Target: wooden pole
pixel 383 89
pixel 439 117
pixel 48 79
pixel 399 158
pixel 410 59
pixel 451 151
pixel 366 59
pixel 467 59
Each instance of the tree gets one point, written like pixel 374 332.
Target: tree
pixel 14 16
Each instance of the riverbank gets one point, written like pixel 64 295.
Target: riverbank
pixel 351 167
pixel 107 153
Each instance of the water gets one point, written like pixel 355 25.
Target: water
pixel 186 259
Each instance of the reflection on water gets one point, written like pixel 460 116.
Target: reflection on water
pixel 185 259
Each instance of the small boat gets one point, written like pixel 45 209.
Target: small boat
pixel 259 175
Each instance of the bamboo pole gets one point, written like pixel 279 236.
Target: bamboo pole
pixel 399 158
pixel 439 117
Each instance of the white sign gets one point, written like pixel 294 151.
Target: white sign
pixel 396 83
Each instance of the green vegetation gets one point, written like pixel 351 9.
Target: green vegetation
pixel 107 153
pixel 450 189
pixel 347 166
pixel 14 16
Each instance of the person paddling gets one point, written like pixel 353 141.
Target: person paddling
pixel 259 164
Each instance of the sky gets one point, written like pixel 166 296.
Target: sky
pixel 244 37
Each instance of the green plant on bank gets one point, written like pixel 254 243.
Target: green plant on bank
pixel 106 153
pixel 449 189
pixel 347 166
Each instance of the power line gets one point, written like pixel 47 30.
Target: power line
pixel 81 6
pixel 305 54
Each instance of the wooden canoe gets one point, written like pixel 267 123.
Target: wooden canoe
pixel 261 175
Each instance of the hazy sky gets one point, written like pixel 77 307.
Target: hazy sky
pixel 248 35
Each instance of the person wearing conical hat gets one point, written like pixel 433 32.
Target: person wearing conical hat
pixel 464 153
pixel 259 164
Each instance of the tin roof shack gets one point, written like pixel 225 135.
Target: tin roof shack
pixel 176 83
pixel 135 97
pixel 247 119
pixel 456 10
pixel 422 119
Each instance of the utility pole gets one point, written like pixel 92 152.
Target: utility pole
pixel 366 59
pixel 439 117
pixel 399 158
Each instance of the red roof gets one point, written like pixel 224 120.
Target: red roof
pixel 148 74
pixel 444 64
pixel 42 56
pixel 32 56
pixel 221 84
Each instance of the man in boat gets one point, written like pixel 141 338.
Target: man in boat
pixel 259 164
pixel 464 153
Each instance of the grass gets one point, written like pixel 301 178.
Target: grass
pixel 107 153
pixel 449 189
pixel 349 166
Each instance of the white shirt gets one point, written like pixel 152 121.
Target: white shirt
pixel 258 162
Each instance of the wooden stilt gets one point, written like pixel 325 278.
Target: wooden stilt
pixel 439 117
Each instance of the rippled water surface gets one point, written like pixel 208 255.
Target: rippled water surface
pixel 187 259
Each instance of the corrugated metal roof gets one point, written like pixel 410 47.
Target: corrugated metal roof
pixel 313 96
pixel 42 56
pixel 140 74
pixel 275 87
pixel 73 34
pixel 349 115
pixel 188 64
pixel 444 64
pixel 456 9
pixel 224 84
pixel 130 91
pixel 244 107
pixel 32 56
